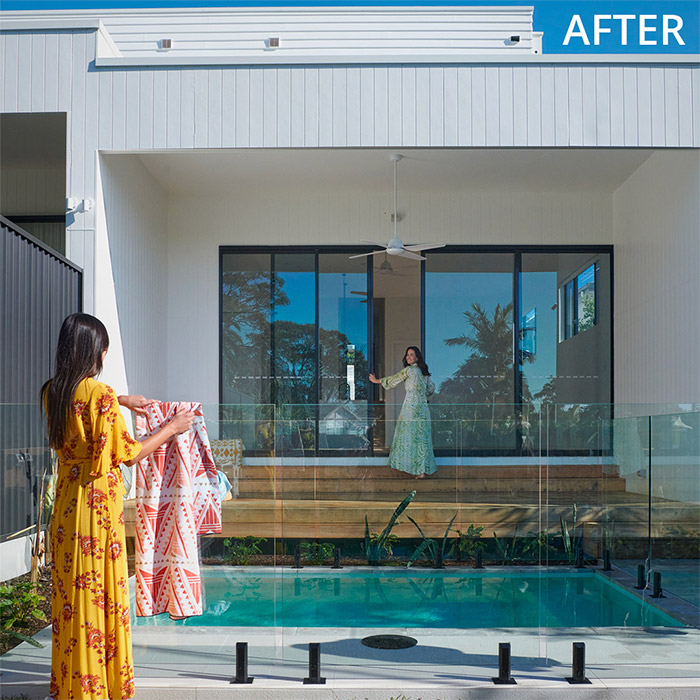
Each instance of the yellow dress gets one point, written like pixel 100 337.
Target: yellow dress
pixel 91 657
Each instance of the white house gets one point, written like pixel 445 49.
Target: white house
pixel 197 155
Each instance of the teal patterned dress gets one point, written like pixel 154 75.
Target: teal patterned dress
pixel 412 448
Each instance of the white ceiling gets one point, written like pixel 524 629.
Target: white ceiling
pixel 222 172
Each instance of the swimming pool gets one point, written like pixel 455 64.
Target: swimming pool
pixel 452 598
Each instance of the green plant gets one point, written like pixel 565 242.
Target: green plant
pixel 389 542
pixel 19 608
pixel 506 552
pixel 537 543
pixel 568 537
pixel 240 550
pixel 468 543
pixel 316 553
pixel 374 549
pixel 429 547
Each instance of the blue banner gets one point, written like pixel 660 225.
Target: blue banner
pixel 569 26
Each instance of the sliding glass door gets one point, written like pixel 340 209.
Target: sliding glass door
pixel 294 334
pixel 510 335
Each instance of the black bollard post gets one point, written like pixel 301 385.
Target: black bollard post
pixel 336 559
pixel 641 576
pixel 578 671
pixel 658 591
pixel 579 559
pixel 606 560
pixel 314 665
pixel 504 677
pixel 297 557
pixel 479 559
pixel 439 564
pixel 242 664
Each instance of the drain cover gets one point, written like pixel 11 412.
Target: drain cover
pixel 389 641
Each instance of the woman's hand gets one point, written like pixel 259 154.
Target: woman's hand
pixel 136 403
pixel 374 380
pixel 181 422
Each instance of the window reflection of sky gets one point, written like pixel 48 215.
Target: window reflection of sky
pixel 341 309
pixel 447 296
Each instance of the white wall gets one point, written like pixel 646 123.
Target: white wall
pixel 198 226
pixel 136 221
pixel 656 234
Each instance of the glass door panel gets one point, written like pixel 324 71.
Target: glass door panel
pixel 342 311
pixel 565 347
pixel 245 329
pixel 294 351
pixel 469 349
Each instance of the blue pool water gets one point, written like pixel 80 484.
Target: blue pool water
pixel 415 598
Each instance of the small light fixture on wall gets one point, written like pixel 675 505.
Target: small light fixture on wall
pixel 165 44
pixel 272 42
pixel 515 39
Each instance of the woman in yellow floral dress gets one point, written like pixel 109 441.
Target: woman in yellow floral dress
pixel 91 655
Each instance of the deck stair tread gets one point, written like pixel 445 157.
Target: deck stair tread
pixel 293 518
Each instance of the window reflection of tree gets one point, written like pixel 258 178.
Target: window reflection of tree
pixel 254 350
pixel 484 381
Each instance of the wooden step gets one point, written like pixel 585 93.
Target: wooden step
pixel 507 471
pixel 275 518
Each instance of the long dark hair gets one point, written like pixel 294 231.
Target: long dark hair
pixel 81 342
pixel 420 362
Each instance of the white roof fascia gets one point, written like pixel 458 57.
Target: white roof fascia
pixel 26 24
pixel 381 59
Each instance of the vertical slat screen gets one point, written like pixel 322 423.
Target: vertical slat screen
pixel 38 290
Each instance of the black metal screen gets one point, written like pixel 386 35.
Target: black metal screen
pixel 38 289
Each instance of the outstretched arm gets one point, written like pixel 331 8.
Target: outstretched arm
pixel 395 379
pixel 179 423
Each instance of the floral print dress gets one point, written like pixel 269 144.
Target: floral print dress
pixel 91 656
pixel 412 447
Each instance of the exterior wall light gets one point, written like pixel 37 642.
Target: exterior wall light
pixel 515 39
pixel 273 42
pixel 165 44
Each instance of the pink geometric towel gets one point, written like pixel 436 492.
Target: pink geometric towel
pixel 177 498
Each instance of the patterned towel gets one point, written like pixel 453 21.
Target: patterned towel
pixel 177 498
pixel 229 453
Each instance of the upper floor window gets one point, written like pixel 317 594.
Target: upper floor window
pixel 578 300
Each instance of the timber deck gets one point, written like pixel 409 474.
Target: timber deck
pixel 331 501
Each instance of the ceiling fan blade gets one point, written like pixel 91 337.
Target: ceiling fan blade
pixel 381 245
pixel 407 254
pixel 364 255
pixel 424 246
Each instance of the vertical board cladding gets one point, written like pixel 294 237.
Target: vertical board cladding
pixel 38 289
pixel 335 105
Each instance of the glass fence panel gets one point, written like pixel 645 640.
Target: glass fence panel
pixel 675 504
pixel 25 465
pixel 538 519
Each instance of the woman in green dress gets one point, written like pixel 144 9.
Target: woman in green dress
pixel 412 447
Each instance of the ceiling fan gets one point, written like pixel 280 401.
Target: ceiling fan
pixel 395 246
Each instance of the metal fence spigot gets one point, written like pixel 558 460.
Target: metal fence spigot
pixel 578 670
pixel 242 664
pixel 658 591
pixel 504 677
pixel 314 665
